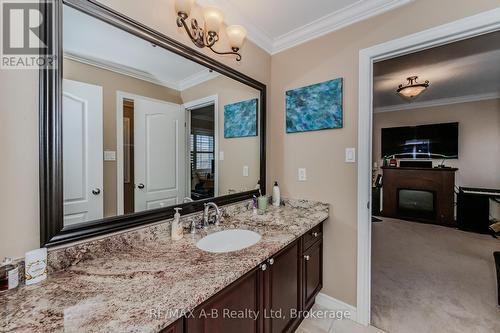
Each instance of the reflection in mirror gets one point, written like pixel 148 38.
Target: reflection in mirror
pixel 144 128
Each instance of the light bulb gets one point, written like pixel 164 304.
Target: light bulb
pixel 236 35
pixel 183 6
pixel 213 19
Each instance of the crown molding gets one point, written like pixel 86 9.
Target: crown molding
pixel 337 20
pixel 188 82
pixel 438 102
pixel 196 79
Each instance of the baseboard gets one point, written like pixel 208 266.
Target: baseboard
pixel 331 303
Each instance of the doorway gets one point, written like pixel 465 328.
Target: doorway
pixel 465 28
pixel 150 153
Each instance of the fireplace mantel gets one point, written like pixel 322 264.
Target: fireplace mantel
pixel 438 181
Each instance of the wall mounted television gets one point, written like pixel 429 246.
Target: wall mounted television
pixel 439 141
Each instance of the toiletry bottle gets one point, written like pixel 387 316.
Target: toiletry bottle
pixel 35 266
pixel 276 195
pixel 9 275
pixel 177 229
pixel 254 205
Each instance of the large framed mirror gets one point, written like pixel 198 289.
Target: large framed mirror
pixel 133 124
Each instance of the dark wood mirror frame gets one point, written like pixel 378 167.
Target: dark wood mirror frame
pixel 52 230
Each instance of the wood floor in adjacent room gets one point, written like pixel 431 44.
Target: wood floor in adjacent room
pixel 428 278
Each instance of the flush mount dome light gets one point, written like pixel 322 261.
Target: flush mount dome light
pixel 412 89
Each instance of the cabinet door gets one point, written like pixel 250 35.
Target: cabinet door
pixel 312 277
pixel 283 290
pixel 221 313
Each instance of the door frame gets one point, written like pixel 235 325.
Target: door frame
pixel 195 104
pixel 482 23
pixel 120 96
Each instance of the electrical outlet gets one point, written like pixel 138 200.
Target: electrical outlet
pixel 221 156
pixel 245 171
pixel 302 175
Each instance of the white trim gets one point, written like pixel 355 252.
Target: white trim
pixel 120 96
pixel 190 81
pixel 358 11
pixel 334 304
pixel 205 101
pixel 196 79
pixel 461 29
pixel 438 102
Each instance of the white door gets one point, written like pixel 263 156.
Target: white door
pixel 159 154
pixel 82 152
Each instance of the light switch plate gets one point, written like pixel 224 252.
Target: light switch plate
pixel 109 155
pixel 221 156
pixel 350 155
pixel 302 175
pixel 245 171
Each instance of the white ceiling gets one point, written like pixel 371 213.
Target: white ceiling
pixel 276 25
pixel 97 43
pixel 468 70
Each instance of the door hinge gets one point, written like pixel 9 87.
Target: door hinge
pixel 368 205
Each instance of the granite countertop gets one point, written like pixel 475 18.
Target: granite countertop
pixel 144 283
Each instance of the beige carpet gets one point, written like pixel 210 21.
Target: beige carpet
pixel 427 278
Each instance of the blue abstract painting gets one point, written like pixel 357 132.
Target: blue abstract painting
pixel 240 119
pixel 314 107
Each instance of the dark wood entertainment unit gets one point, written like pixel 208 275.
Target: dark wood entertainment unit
pixel 420 194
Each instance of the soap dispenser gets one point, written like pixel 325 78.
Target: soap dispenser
pixel 276 195
pixel 177 229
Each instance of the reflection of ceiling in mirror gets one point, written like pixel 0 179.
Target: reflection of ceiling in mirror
pixel 91 41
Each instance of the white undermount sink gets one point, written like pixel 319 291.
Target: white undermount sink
pixel 228 241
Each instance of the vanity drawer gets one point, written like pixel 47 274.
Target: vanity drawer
pixel 312 236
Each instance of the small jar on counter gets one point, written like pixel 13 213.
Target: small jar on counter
pixel 9 275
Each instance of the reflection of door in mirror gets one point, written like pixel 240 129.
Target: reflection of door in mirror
pixel 152 156
pixel 82 151
pixel 202 152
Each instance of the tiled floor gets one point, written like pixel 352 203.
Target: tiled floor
pixel 315 325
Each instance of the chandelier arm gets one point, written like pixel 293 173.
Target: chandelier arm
pixel 238 56
pixel 181 22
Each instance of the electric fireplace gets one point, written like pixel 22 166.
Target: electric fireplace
pixel 416 203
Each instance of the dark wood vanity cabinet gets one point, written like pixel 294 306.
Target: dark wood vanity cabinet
pixel 312 273
pixel 277 290
pixel 282 289
pixel 222 312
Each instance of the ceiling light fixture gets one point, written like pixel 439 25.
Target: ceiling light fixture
pixel 412 89
pixel 209 35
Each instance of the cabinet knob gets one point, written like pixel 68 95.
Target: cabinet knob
pixel 263 267
pixel 270 261
pixel 307 258
pixel 96 191
pixel 141 186
pixel 315 234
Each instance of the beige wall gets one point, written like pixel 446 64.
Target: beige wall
pixel 19 207
pixel 238 152
pixel 322 153
pixel 329 178
pixel 478 142
pixel 111 83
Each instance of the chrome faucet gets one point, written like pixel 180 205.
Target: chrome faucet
pixel 187 199
pixel 205 214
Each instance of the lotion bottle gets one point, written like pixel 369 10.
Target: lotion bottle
pixel 276 195
pixel 177 229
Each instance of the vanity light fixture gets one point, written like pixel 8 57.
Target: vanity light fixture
pixel 209 35
pixel 412 89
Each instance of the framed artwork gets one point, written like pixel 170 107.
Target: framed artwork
pixel 315 107
pixel 240 119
